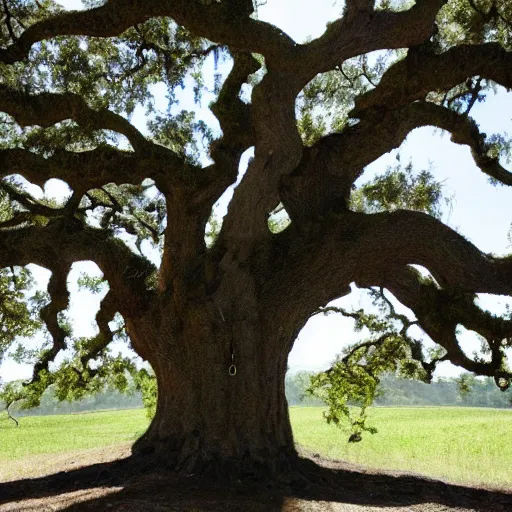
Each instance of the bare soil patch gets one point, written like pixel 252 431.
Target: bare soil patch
pixel 108 479
pixel 43 465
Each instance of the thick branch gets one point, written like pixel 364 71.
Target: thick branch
pixel 439 312
pixel 279 149
pixel 362 144
pixel 235 119
pixel 223 22
pixel 86 170
pixel 233 114
pixel 59 245
pixel 187 212
pixel 363 30
pixel 406 237
pixel 229 23
pixel 420 73
pixel 46 109
pixel 324 178
pixel 59 301
pixel 312 268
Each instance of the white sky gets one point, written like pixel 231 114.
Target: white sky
pixel 481 212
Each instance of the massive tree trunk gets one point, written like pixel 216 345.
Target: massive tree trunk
pixel 221 395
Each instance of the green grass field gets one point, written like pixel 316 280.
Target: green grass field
pixel 458 444
pixel 38 435
pixel 467 445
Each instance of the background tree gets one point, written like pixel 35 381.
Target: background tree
pixel 216 318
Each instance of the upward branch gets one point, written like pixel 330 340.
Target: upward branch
pixel 59 301
pixel 363 30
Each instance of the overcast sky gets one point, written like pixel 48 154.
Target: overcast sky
pixel 481 212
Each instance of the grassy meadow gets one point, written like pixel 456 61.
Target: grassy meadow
pixel 466 445
pixel 61 433
pixel 459 444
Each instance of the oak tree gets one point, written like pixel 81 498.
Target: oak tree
pixel 216 317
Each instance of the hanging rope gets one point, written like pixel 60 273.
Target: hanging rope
pixel 232 367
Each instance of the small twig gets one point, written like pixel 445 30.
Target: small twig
pixel 332 309
pixel 365 74
pixel 349 80
pixel 475 91
pixel 9 415
pixel 8 17
pixel 366 345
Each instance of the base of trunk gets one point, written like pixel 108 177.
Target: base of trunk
pixel 189 458
pixel 221 404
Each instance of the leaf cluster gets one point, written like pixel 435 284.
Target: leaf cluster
pixel 351 385
pixel 401 188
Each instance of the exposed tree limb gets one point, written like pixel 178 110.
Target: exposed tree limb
pixel 86 170
pixel 194 209
pixel 439 312
pixel 323 180
pixel 68 242
pixel 363 30
pixel 46 109
pixel 235 119
pixel 421 72
pixel 228 23
pixel 222 22
pixel 233 114
pixel 363 248
pixel 59 301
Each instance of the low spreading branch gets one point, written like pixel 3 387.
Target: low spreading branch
pixel 342 251
pixel 63 244
pixel 440 311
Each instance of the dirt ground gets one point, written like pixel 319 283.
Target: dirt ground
pixel 107 479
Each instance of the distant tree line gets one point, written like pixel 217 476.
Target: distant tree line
pixel 110 399
pixel 461 391
pixel 465 390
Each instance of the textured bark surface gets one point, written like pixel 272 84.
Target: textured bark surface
pixel 209 420
pixel 220 366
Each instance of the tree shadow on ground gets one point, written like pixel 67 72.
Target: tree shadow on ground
pixel 129 486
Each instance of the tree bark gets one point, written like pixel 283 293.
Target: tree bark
pixel 221 398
